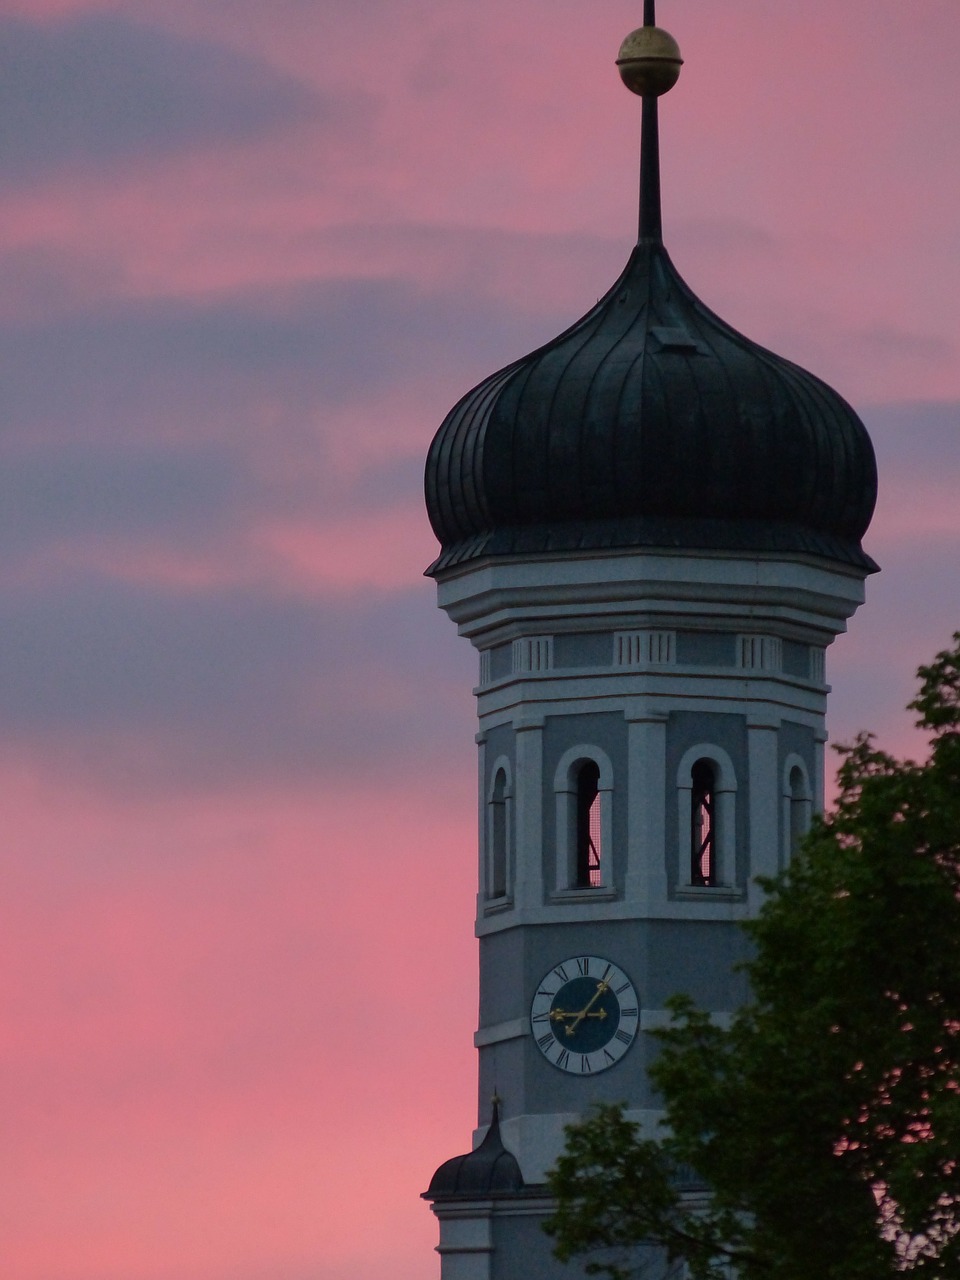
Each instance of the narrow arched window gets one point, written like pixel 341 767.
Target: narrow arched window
pixel 703 792
pixel 498 836
pixel 589 850
pixel 799 801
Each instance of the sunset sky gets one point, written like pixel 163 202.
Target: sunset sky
pixel 250 254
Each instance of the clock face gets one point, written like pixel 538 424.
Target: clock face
pixel 585 1015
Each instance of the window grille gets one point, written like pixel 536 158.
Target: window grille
pixel 703 870
pixel 589 845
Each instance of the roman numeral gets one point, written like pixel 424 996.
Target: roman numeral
pixel 633 1012
pixel 561 973
pixel 583 966
pixel 546 1041
pixel 563 1058
pixel 603 976
pixel 541 1017
pixel 584 1065
pixel 548 994
pixel 623 1037
pixel 623 987
pixel 609 1056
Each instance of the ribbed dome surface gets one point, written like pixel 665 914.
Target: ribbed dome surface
pixel 651 422
pixel 490 1170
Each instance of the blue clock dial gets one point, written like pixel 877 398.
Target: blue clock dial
pixel 584 1015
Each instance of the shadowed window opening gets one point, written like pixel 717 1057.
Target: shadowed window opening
pixel 588 826
pixel 703 869
pixel 498 823
pixel 799 808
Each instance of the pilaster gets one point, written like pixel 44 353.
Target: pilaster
pixel 646 878
pixel 466 1240
pixel 762 764
pixel 528 883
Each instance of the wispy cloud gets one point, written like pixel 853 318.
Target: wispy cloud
pixel 100 90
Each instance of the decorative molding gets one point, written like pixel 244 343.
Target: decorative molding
pixel 496 1033
pixel 759 653
pixel 532 654
pixel 497 906
pixel 709 893
pixel 484 677
pixel 561 910
pixel 583 897
pixel 644 648
pixel 493 601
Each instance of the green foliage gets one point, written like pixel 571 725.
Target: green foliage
pixel 825 1120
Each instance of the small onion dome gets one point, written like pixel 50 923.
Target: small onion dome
pixel 489 1170
pixel 651 423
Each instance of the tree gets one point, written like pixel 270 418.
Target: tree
pixel 825 1119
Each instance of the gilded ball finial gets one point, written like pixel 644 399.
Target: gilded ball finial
pixel 649 61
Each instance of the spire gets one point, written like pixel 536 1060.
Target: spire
pixel 651 220
pixel 649 62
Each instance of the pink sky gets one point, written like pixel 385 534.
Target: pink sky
pixel 250 254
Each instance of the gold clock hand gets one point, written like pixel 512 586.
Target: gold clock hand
pixel 602 987
pixel 600 1013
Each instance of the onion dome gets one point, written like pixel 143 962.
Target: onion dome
pixel 489 1170
pixel 651 422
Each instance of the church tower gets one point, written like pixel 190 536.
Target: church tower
pixel 650 530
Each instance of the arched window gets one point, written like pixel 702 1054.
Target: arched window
pixel 706 819
pixel 589 834
pixel 798 806
pixel 498 835
pixel 798 816
pixel 583 785
pixel 703 798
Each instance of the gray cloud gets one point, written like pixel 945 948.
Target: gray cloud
pixel 83 489
pixel 164 418
pixel 699 236
pixel 922 436
pixel 138 689
pixel 888 342
pixel 39 281
pixel 136 361
pixel 913 604
pixel 99 89
pixel 911 611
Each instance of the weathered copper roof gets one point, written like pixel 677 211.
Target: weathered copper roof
pixel 489 1170
pixel 651 422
